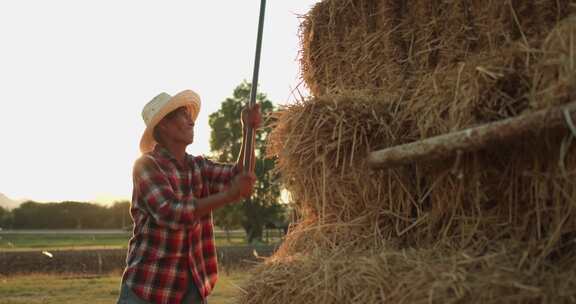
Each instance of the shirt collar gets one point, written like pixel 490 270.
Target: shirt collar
pixel 165 153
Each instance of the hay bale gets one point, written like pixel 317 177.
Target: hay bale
pixel 496 226
pixel 523 190
pixel 380 44
pixel 555 76
pixel 411 276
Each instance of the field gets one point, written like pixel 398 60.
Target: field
pixel 89 288
pixel 93 239
pixel 79 289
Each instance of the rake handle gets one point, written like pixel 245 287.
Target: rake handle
pixel 250 131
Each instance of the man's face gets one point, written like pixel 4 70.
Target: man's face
pixel 178 126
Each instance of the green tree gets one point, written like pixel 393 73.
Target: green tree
pixel 119 215
pixel 5 218
pixel 64 215
pixel 225 142
pixel 228 218
pixel 26 215
pixel 81 215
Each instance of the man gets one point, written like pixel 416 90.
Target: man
pixel 171 255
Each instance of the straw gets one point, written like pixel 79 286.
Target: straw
pixel 493 226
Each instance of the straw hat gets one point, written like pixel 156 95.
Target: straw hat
pixel 159 107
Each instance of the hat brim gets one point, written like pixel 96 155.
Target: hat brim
pixel 187 98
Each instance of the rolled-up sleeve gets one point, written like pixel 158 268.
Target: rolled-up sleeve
pixel 156 195
pixel 219 175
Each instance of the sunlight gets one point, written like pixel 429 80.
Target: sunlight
pixel 74 87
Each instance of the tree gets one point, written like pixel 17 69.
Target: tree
pixel 228 218
pixel 27 215
pixel 119 215
pixel 225 142
pixel 5 218
pixel 64 215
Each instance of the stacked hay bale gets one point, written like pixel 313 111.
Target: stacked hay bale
pixel 497 225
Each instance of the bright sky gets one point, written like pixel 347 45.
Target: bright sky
pixel 75 74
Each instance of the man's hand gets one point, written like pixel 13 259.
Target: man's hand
pixel 251 117
pixel 242 186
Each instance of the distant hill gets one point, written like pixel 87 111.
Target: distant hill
pixel 8 203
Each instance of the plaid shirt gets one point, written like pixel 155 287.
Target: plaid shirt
pixel 169 243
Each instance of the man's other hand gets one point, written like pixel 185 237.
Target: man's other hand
pixel 251 117
pixel 242 186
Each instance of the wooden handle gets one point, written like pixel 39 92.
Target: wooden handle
pixel 254 89
pixel 473 139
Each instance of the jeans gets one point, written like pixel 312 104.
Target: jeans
pixel 127 296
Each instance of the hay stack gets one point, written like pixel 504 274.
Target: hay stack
pixel 412 276
pixel 380 44
pixel 322 143
pixel 498 225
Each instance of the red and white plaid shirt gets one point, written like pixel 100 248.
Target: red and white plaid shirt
pixel 169 242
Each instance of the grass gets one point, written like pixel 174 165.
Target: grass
pixel 18 242
pixel 79 289
pixel 92 289
pixel 52 241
